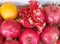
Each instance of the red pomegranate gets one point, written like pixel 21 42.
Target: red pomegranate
pixel 50 35
pixel 10 28
pixel 29 36
pixel 37 11
pixel 38 15
pixel 52 14
pixel 40 26
pixel 24 17
pixel 58 42
pixel 26 22
pixel 30 15
pixel 23 12
pixel 11 42
pixel 34 4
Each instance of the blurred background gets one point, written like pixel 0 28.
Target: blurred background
pixel 24 2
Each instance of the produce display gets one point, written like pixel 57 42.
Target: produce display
pixel 50 35
pixel 10 29
pixel 52 14
pixel 30 24
pixel 29 36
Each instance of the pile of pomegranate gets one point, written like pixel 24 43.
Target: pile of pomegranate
pixel 35 24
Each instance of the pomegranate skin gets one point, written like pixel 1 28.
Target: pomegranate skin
pixel 52 14
pixel 50 35
pixel 1 39
pixel 10 28
pixel 11 42
pixel 29 36
pixel 58 42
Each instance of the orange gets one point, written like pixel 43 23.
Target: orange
pixel 8 11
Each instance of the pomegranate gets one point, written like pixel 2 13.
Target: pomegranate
pixel 10 29
pixel 24 17
pixel 30 15
pixel 34 4
pixel 52 14
pixel 26 22
pixel 50 35
pixel 11 42
pixel 58 42
pixel 23 12
pixel 1 39
pixel 29 36
pixel 40 26
pixel 37 11
pixel 38 15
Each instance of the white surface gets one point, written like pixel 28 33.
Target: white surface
pixel 24 2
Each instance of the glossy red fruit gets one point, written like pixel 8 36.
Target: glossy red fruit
pixel 29 36
pixel 50 35
pixel 26 22
pixel 58 42
pixel 10 28
pixel 1 39
pixel 11 42
pixel 40 26
pixel 52 14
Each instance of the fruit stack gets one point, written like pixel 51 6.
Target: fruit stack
pixel 30 24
